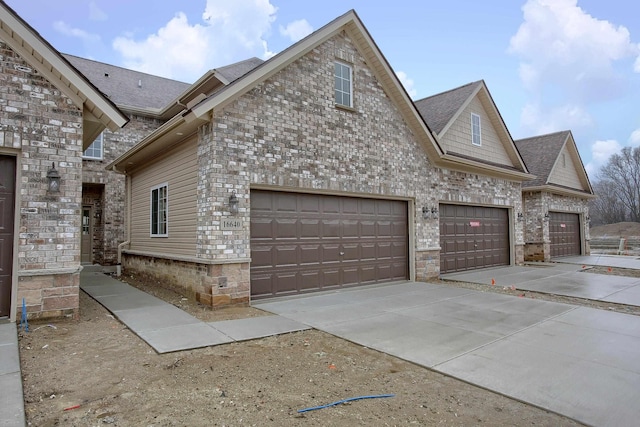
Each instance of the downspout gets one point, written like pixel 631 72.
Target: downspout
pixel 127 241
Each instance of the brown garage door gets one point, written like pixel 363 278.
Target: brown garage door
pixel 564 232
pixel 473 237
pixel 310 242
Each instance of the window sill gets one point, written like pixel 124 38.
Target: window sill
pixel 344 107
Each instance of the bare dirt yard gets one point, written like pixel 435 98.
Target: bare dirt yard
pixel 94 371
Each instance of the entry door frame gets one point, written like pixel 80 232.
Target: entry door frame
pixel 17 199
pixel 89 240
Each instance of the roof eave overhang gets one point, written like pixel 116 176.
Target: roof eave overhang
pixel 560 191
pixel 466 165
pixel 158 142
pixel 39 54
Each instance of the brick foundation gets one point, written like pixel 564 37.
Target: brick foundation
pixel 427 264
pixel 215 285
pixel 49 296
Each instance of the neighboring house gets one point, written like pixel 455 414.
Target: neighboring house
pixel 315 171
pixel 556 212
pixel 479 227
pixel 49 114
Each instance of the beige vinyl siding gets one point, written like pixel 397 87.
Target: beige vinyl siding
pixel 178 168
pixel 566 175
pixel 458 137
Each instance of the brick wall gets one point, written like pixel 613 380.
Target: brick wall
pixel 536 205
pixel 43 127
pixel 105 190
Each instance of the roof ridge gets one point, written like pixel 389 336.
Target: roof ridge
pixel 449 91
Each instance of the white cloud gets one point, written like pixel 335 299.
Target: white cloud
pixel 230 31
pixel 540 120
pixel 296 30
pixel 95 13
pixel 66 30
pixel 561 44
pixel 600 153
pixel 407 83
pixel 634 139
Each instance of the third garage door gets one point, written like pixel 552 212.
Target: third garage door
pixel 309 242
pixel 564 232
pixel 473 237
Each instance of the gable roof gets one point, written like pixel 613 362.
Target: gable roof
pixel 200 112
pixel 542 153
pixel 440 111
pixel 130 90
pixel 98 111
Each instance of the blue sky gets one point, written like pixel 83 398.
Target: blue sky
pixel 550 65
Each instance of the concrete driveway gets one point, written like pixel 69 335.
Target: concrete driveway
pixel 576 361
pixel 567 276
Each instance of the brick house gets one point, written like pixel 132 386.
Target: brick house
pixel 49 113
pixel 479 222
pixel 314 171
pixel 556 211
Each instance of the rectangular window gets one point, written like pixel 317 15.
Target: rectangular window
pixel 343 87
pixel 94 152
pixel 475 130
pixel 159 209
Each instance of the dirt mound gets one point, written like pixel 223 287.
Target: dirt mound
pixel 620 229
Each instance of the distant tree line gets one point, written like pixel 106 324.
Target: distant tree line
pixel 617 186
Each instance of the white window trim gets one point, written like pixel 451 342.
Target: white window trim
pixel 479 143
pixel 350 85
pixel 101 137
pixel 156 187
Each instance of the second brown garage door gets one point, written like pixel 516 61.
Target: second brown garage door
pixel 473 237
pixel 564 232
pixel 309 242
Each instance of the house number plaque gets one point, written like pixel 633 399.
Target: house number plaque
pixel 231 224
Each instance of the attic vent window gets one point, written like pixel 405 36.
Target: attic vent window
pixel 564 161
pixel 476 134
pixel 106 74
pixel 343 84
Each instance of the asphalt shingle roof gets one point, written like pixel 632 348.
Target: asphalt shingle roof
pixel 438 110
pixel 235 71
pixel 540 154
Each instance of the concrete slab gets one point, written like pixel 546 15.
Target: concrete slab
pixel 630 295
pixel 183 337
pixel 155 317
pixel 108 289
pixel 11 401
pixel 11 397
pixel 566 365
pixel 257 327
pixel 621 261
pixel 131 300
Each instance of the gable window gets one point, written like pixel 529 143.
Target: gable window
pixel 159 207
pixel 475 130
pixel 94 152
pixel 343 87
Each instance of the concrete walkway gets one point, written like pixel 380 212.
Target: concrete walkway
pixel 576 361
pixel 561 279
pixel 167 328
pixel 11 397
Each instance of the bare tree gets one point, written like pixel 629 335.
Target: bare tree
pixel 606 208
pixel 621 181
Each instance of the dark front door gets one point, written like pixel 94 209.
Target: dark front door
pixel 564 232
pixel 309 242
pixel 7 212
pixel 86 249
pixel 473 237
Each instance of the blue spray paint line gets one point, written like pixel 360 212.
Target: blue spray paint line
pixel 351 399
pixel 23 322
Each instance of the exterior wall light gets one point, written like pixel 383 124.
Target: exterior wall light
pixel 233 203
pixel 53 177
pixel 434 212
pixel 546 216
pixel 425 212
pixel 520 216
